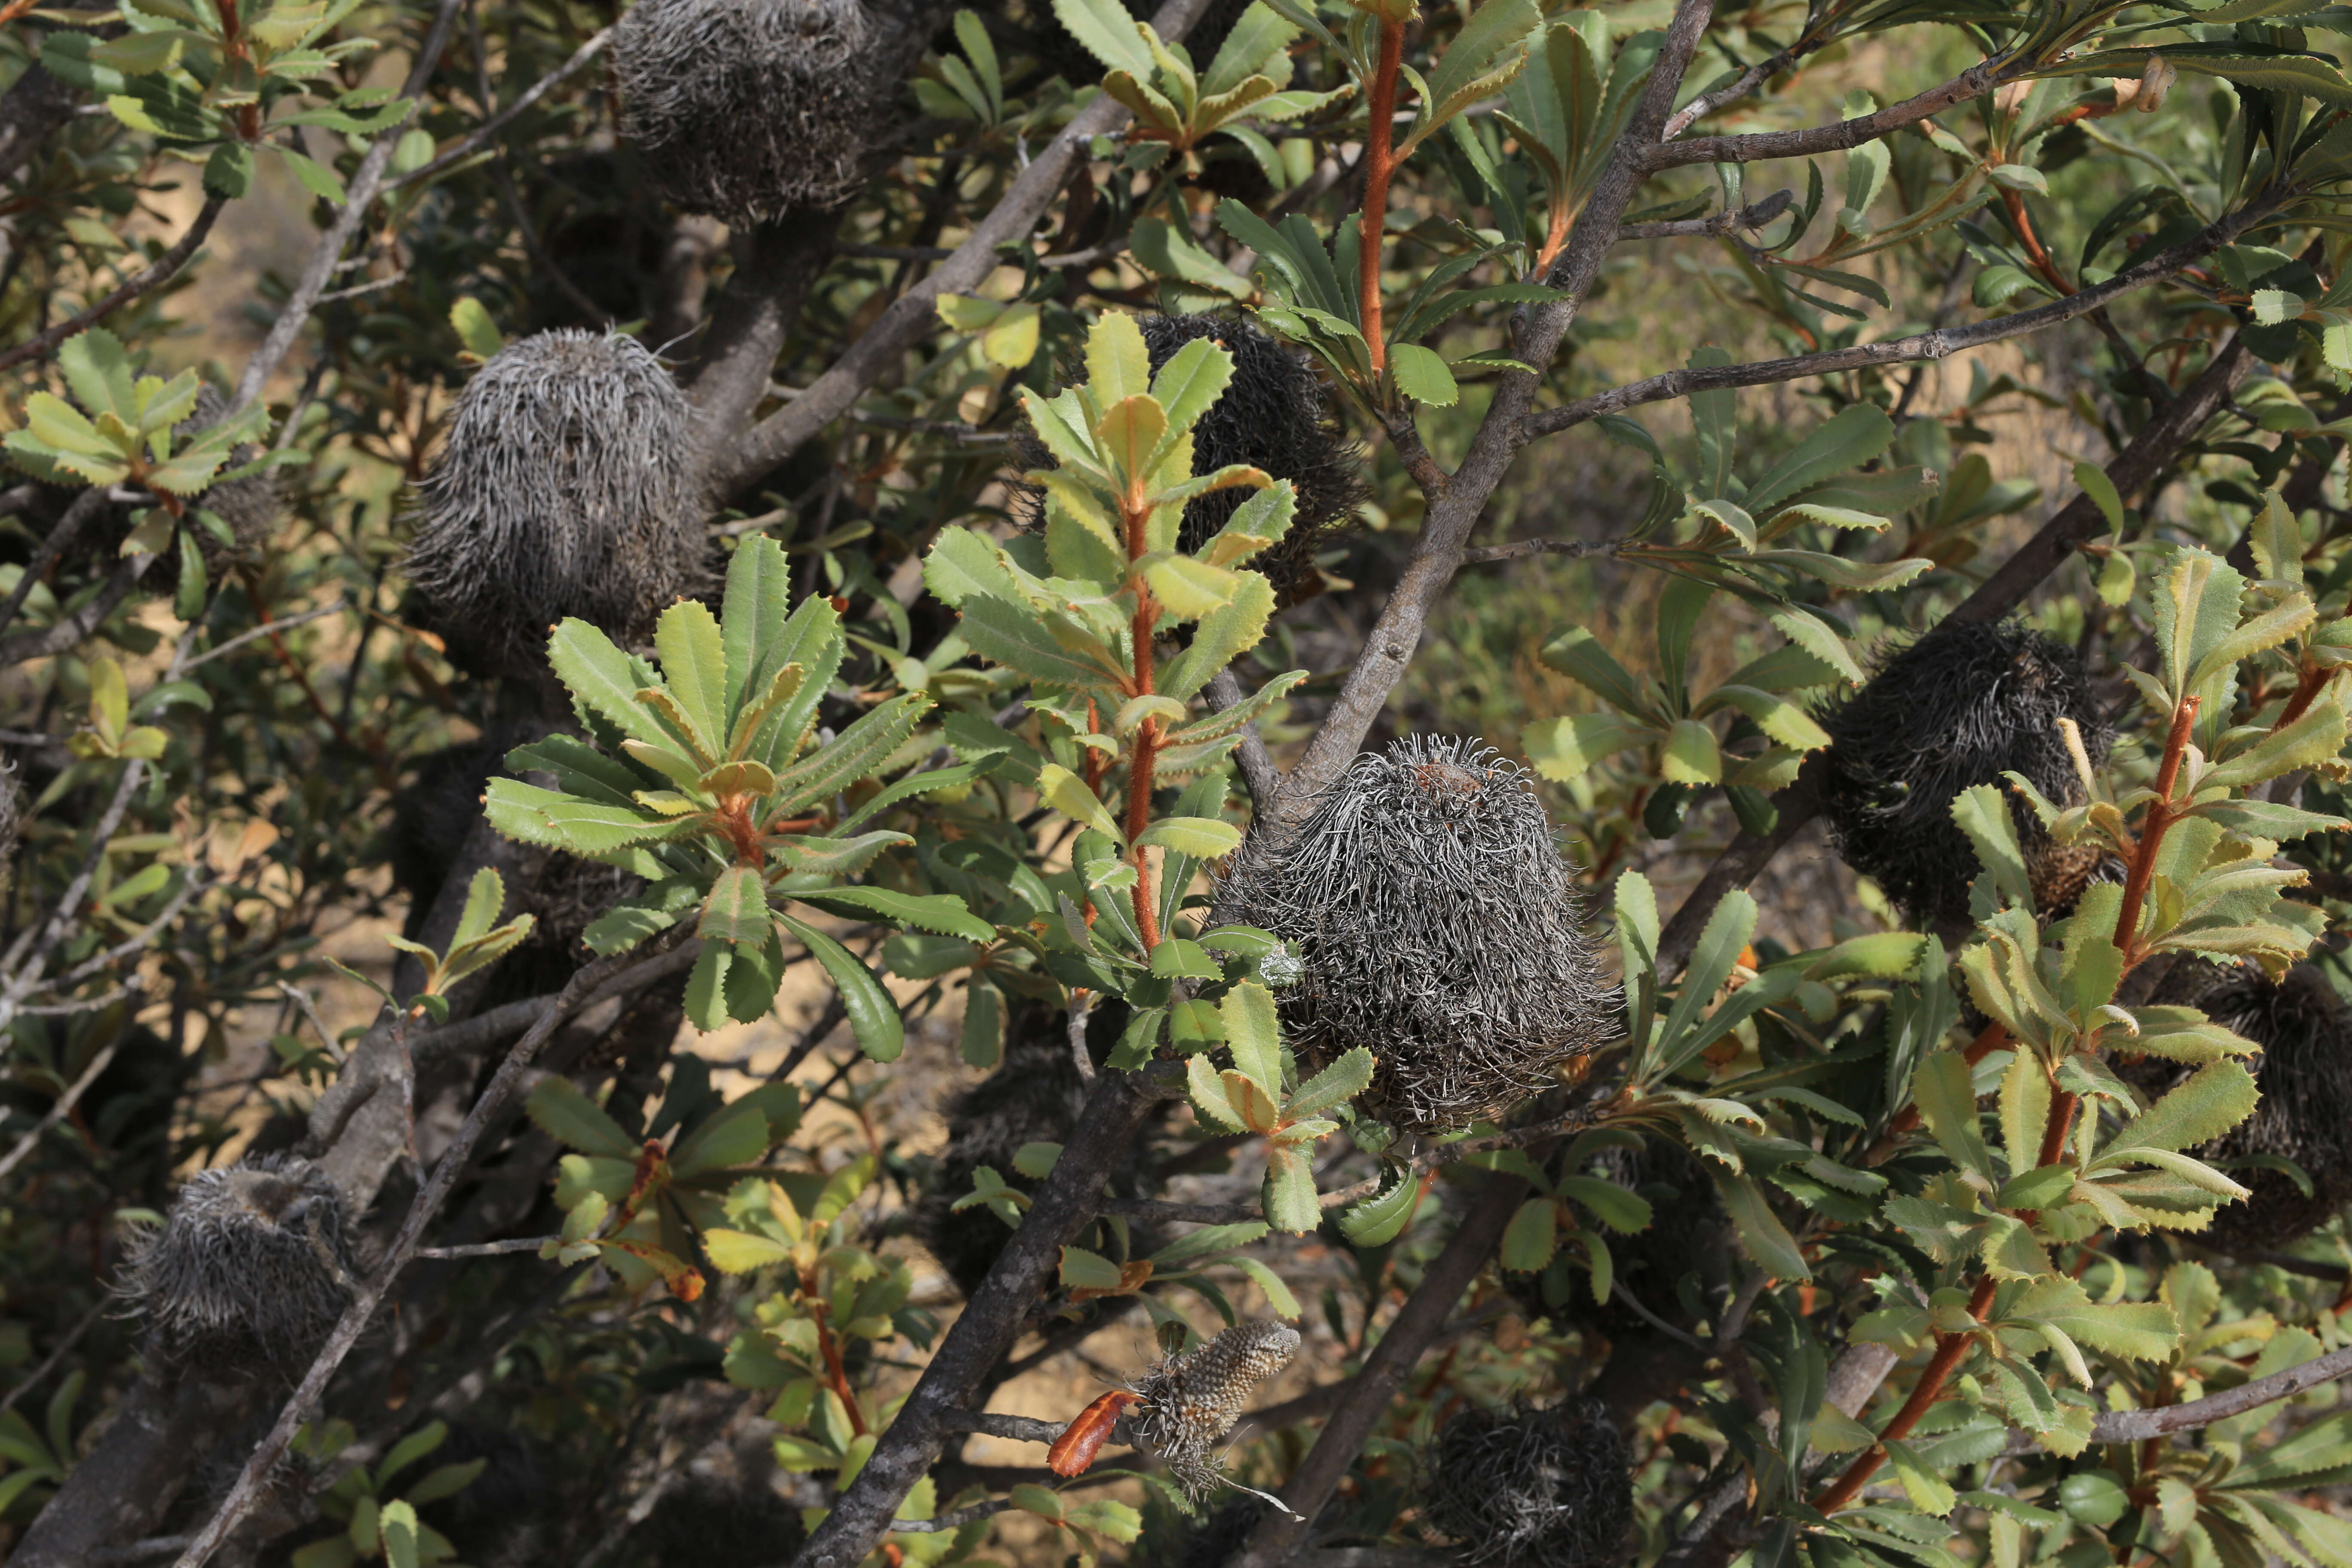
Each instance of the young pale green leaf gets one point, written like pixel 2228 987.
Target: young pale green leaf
pixel 1564 749
pixel 1928 1492
pixel 2208 1103
pixel 1345 1079
pixel 1254 1034
pixel 1189 589
pixel 1119 364
pixel 741 1252
pixel 1287 1196
pixel 1066 792
pixel 2145 1331
pixel 1689 755
pixel 1222 636
pixel 1207 1091
pixel 1984 816
pixel 1202 837
pixel 1128 435
pixel 2024 1109
pixel 695 669
pixel 1815 637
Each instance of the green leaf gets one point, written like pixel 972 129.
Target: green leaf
pixel 1761 1235
pixel 598 674
pixel 1067 793
pixel 1813 635
pixel 1851 438
pixel 1621 1210
pixel 1221 637
pixel 1119 364
pixel 1255 1034
pixel 1531 1237
pixel 1689 755
pixel 397 1522
pixel 566 1114
pixel 475 329
pixel 873 1016
pixel 1379 1219
pixel 1948 1104
pixel 1418 373
pixel 1928 1492
pixel 314 177
pixel 941 912
pixel 694 668
pixel 1984 816
pixel 2144 1331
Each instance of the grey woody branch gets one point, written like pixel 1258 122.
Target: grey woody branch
pixel 911 316
pixel 1942 343
pixel 2135 1426
pixel 1752 217
pixel 466 146
pixel 1456 505
pixel 1978 79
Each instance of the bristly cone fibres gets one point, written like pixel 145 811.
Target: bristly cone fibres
pixel 1534 1488
pixel 2304 1072
pixel 746 109
pixel 1275 416
pixel 1190 1402
pixel 563 488
pixel 246 1274
pixel 1436 923
pixel 1958 707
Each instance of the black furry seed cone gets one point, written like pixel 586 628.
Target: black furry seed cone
pixel 2304 1072
pixel 1275 416
pixel 1531 1488
pixel 1958 707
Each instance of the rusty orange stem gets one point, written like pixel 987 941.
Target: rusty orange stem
pixel 1949 1349
pixel 2152 831
pixel 1379 168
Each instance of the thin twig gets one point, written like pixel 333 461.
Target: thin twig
pixel 1750 217
pixel 489 1248
pixel 57 1112
pixel 49 1363
pixel 158 271
pixel 1978 78
pixel 85 507
pixel 463 148
pixel 2135 1426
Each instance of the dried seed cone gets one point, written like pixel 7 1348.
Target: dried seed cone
pixel 12 821
pixel 743 109
pixel 247 1273
pixel 1437 924
pixel 1191 1401
pixel 1275 416
pixel 1534 1487
pixel 1958 707
pixel 251 507
pixel 563 488
pixel 2304 1072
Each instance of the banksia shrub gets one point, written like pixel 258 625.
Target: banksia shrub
pixel 742 108
pixel 1275 416
pixel 563 486
pixel 1190 1402
pixel 1957 707
pixel 1436 923
pixel 2304 1072
pixel 246 1274
pixel 1534 1487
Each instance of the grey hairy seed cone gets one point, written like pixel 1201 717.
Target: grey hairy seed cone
pixel 743 109
pixel 2304 1073
pixel 251 507
pixel 1957 708
pixel 246 1274
pixel 563 486
pixel 1543 1488
pixel 1191 1401
pixel 1436 925
pixel 1275 414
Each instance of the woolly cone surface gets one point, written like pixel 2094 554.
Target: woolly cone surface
pixel 742 108
pixel 247 1273
pixel 250 507
pixel 1275 416
pixel 1958 707
pixel 1437 924
pixel 2305 1115
pixel 1191 1401
pixel 1535 1486
pixel 562 488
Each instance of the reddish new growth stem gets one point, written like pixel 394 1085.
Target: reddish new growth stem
pixel 2152 831
pixel 1379 168
pixel 1137 515
pixel 1949 1349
